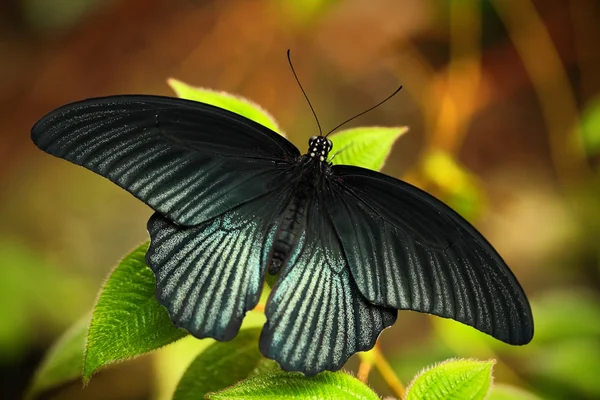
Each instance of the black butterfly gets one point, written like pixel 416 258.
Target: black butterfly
pixel 235 200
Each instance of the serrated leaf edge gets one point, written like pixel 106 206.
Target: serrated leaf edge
pixel 275 373
pixel 30 393
pixel 173 82
pixel 86 379
pixel 450 360
pixel 393 136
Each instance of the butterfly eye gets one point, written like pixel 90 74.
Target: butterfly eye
pixel 312 139
pixel 329 145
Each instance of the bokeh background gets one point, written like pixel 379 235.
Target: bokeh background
pixel 502 101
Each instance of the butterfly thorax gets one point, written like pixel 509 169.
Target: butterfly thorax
pixel 319 148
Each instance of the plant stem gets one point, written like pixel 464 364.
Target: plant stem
pixel 364 369
pixel 376 358
pixel 550 80
pixel 459 101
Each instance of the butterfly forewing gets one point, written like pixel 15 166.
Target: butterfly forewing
pixel 189 161
pixel 408 250
pixel 316 316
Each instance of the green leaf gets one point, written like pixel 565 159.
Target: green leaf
pixel 172 361
pixel 220 365
pixel 560 315
pixel 464 339
pixel 453 379
pixel 56 16
pixel 294 385
pixel 236 104
pixel 306 11
pixel 62 363
pixel 565 314
pixel 413 359
pixel 507 392
pixel 590 126
pixel 366 147
pixel 265 366
pixel 127 320
pixel 27 281
pixel 460 188
pixel 571 364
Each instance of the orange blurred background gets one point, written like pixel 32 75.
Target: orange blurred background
pixel 501 97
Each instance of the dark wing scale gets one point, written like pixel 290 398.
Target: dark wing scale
pixel 408 250
pixel 187 160
pixel 316 316
pixel 208 276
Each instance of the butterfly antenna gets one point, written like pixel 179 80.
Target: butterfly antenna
pixel 366 111
pixel 304 93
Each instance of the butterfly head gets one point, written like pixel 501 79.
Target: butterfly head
pixel 319 147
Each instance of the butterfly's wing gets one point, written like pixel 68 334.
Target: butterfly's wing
pixel 316 316
pixel 408 250
pixel 187 160
pixel 209 275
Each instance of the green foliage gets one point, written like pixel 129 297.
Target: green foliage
pixel 306 11
pixel 453 379
pixel 62 363
pixel 127 320
pixel 59 14
pixel 463 339
pixel 293 385
pixel 572 364
pixel 459 187
pixel 590 126
pixel 236 104
pixel 564 352
pixel 221 365
pixel 419 355
pixel 171 362
pixel 566 314
pixel 265 366
pixel 563 325
pixel 366 147
pixel 507 392
pixel 27 281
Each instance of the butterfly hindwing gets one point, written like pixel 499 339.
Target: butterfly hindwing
pixel 316 316
pixel 408 250
pixel 208 276
pixel 187 160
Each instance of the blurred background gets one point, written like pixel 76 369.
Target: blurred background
pixel 502 98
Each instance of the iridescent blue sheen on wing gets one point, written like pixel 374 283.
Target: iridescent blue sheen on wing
pixel 410 251
pixel 316 316
pixel 187 160
pixel 209 275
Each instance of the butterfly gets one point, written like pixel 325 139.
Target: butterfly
pixel 235 201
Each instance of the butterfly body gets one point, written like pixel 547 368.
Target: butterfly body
pixel 290 226
pixel 234 201
pixel 313 169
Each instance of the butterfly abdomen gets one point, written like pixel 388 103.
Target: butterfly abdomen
pixel 291 226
